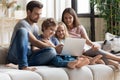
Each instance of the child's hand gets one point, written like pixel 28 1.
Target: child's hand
pixel 49 43
pixel 59 48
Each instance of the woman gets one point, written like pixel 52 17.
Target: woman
pixel 75 30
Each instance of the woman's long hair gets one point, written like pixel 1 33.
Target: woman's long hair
pixel 72 12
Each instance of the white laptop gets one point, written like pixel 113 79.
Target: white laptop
pixel 73 46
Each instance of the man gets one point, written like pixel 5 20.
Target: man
pixel 24 35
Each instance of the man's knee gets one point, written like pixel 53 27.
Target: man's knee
pixel 22 32
pixel 51 51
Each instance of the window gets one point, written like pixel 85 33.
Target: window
pixel 52 8
pixel 83 7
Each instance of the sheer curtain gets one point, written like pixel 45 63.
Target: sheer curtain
pixel 60 5
pixel 53 8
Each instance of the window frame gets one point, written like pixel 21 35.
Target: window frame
pixel 90 15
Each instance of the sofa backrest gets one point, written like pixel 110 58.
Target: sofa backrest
pixel 3 54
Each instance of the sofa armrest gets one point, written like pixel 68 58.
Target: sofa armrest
pixel 3 54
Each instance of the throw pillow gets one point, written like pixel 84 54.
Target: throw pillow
pixel 112 43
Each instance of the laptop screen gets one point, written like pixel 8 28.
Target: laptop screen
pixel 73 46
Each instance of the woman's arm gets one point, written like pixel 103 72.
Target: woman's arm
pixel 88 41
pixel 85 36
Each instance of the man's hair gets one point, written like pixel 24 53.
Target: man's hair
pixel 48 23
pixel 33 4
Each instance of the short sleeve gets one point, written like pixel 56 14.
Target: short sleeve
pixel 82 30
pixel 54 40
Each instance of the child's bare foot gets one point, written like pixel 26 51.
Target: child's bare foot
pixel 94 59
pixel 83 62
pixel 12 65
pixel 29 68
pixel 72 64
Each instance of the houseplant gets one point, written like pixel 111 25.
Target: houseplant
pixel 110 11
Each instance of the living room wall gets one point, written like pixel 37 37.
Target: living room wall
pixel 99 27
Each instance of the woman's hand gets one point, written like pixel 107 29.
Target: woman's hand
pixel 59 48
pixel 95 47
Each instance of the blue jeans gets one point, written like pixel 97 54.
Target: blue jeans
pixel 19 52
pixel 62 60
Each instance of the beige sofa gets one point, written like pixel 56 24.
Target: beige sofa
pixel 89 72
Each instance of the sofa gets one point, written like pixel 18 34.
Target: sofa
pixel 89 72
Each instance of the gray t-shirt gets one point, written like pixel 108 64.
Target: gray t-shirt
pixel 24 24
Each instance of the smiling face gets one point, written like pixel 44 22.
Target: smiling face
pixel 60 33
pixel 49 27
pixel 68 19
pixel 34 11
pixel 50 31
pixel 34 15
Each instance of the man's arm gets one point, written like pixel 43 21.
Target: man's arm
pixel 35 42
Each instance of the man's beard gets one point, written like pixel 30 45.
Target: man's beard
pixel 33 20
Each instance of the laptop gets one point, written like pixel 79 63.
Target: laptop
pixel 73 46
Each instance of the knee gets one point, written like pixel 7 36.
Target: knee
pixel 52 51
pixel 22 32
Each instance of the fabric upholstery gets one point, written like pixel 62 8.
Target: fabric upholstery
pixel 89 72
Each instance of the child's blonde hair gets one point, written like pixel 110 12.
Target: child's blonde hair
pixel 65 28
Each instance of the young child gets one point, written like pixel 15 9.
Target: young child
pixel 62 33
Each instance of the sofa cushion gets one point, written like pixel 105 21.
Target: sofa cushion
pixel 16 74
pixel 102 72
pixel 52 73
pixel 111 43
pixel 90 72
pixel 83 73
pixel 4 76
